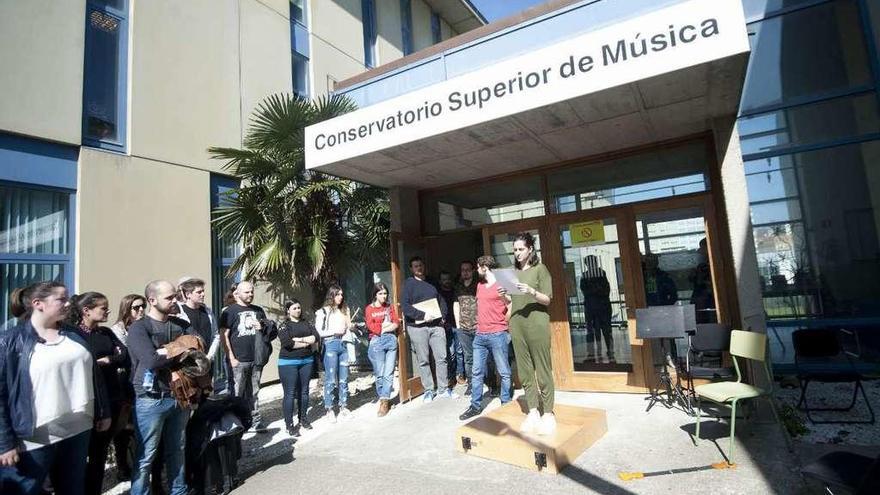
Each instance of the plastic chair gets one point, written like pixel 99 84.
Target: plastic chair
pixel 853 473
pixel 745 345
pixel 819 357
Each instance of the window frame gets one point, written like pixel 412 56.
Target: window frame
pixel 406 27
pixel 67 259
pixel 220 184
pixel 121 143
pixel 368 17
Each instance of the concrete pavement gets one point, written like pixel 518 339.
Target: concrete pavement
pixel 412 451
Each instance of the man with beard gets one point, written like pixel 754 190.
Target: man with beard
pixel 242 324
pixel 492 336
pixel 157 416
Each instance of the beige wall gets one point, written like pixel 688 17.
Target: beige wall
pixel 327 60
pixel 265 56
pixel 421 25
pixel 185 82
pixel 338 23
pixel 446 30
pixel 139 220
pixel 41 48
pixel 389 39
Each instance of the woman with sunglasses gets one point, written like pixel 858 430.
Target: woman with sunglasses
pixel 295 362
pixel 132 308
pixel 382 322
pixel 53 396
pixel 87 312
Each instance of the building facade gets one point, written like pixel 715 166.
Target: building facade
pixel 109 108
pixel 746 190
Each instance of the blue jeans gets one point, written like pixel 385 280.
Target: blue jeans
pixel 295 384
pixel 383 354
pixel 64 462
pixel 454 353
pixel 335 372
pixel 498 344
pixel 158 420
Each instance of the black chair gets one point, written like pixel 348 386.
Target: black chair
pixel 846 471
pixel 819 357
pixel 705 354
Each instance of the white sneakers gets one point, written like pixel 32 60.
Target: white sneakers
pixel 535 423
pixel 548 424
pixel 331 416
pixel 531 423
pixel 344 413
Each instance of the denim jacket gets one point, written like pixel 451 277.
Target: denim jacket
pixel 16 391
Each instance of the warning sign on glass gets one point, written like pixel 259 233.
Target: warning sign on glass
pixel 587 233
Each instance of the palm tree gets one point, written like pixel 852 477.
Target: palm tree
pixel 297 226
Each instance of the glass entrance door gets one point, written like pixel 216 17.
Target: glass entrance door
pixel 595 298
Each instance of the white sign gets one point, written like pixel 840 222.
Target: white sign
pixel 686 34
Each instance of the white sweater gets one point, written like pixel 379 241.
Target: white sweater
pixel 61 375
pixel 337 322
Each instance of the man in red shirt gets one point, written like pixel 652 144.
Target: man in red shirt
pixel 492 337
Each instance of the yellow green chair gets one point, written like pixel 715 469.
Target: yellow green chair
pixel 743 345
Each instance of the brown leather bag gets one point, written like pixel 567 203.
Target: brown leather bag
pixel 191 372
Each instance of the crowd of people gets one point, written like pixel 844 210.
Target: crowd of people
pixel 71 387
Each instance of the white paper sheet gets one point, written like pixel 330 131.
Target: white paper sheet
pixel 507 278
pixel 431 309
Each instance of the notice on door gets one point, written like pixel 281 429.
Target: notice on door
pixel 587 233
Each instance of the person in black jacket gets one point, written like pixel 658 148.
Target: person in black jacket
pixel 156 413
pixel 295 362
pixel 51 396
pixel 87 311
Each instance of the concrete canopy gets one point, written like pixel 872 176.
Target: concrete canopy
pixel 672 105
pixel 620 99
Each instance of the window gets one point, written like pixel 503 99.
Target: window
pixel 492 203
pixel 299 48
pixel 661 174
pixel 406 26
pixel 826 121
pixel 35 239
pixel 436 33
pixel 223 250
pixel 105 74
pixel 816 231
pixel 368 8
pixel 806 55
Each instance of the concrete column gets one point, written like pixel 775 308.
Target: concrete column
pixel 736 209
pixel 404 210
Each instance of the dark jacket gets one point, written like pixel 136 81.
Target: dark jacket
pixel 414 292
pixel 16 391
pixel 263 342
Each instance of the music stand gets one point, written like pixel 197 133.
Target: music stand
pixel 667 323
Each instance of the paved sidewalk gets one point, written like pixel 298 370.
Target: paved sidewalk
pixel 412 451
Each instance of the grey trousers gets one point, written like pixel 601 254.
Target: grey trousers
pixel 247 385
pixel 427 340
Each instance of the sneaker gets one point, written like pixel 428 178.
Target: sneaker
pixel 428 397
pixel 305 424
pixel 344 413
pixel 447 394
pixel 384 407
pixel 531 423
pixel 470 413
pixel 547 425
pixel 331 416
pixel 461 379
pixel 292 431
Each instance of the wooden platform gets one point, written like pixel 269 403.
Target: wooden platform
pixel 496 436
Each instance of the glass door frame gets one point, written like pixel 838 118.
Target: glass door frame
pixel 643 375
pixel 410 387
